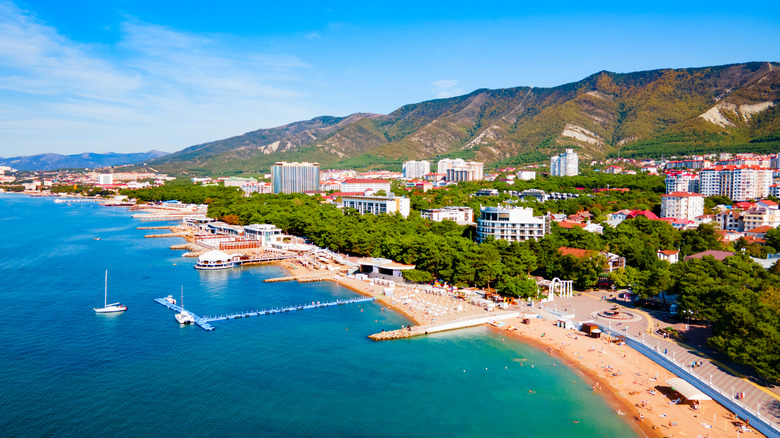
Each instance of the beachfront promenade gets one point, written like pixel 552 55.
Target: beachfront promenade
pixel 759 404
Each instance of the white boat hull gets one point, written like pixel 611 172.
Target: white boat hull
pixel 111 309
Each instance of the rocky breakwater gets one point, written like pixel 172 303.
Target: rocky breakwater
pixel 406 332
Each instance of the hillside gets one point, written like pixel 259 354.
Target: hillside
pixel 650 113
pixel 85 160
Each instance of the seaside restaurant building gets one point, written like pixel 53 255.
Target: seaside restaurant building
pixel 383 268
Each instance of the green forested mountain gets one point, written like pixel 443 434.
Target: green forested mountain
pixel 651 113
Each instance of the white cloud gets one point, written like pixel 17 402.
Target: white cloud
pixel 156 88
pixel 446 88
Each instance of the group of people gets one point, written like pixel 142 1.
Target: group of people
pixel 740 395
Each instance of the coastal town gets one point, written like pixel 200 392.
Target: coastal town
pixel 676 383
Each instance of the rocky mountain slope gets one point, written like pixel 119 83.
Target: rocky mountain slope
pixel 650 113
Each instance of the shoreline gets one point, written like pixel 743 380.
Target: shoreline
pixel 647 409
pixel 659 418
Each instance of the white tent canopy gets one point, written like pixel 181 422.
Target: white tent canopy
pixel 687 390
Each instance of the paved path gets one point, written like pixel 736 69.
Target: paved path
pixel 641 327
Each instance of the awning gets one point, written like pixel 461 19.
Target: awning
pixel 686 389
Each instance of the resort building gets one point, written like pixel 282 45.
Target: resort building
pixel 739 183
pixel 565 164
pixel 461 215
pixel 295 177
pixel 383 268
pixel 378 204
pixel 511 224
pixel 265 233
pixel 105 179
pixel 416 169
pixel 682 205
pixel 237 182
pixel 256 187
pixel 364 184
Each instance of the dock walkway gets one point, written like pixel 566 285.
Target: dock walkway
pixel 203 321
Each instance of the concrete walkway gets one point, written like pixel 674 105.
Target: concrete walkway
pixel 641 327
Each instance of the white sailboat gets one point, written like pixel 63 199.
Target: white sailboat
pixel 109 308
pixel 184 317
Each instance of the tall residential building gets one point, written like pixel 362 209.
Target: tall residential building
pixel 739 183
pixel 511 224
pixel 459 170
pixel 682 205
pixel 565 164
pixel 682 182
pixel 416 169
pixel 449 163
pixel 295 177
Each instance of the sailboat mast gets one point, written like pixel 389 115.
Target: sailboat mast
pixel 105 291
pixel 182 298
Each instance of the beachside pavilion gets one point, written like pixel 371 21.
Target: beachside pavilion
pixel 687 390
pixel 383 268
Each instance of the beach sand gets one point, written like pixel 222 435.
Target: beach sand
pixel 631 383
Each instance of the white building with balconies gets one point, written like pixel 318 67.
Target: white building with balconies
pixel 511 224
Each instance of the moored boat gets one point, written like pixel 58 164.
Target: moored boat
pixel 109 308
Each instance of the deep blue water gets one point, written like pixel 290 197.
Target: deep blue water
pixel 69 372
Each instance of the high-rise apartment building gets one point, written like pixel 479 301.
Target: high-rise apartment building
pixel 460 170
pixel 416 169
pixel 565 164
pixel 682 205
pixel 295 177
pixel 739 183
pixel 682 182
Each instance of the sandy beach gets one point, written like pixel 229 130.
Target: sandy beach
pixel 631 383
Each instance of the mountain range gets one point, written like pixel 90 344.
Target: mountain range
pixel 641 114
pixel 85 160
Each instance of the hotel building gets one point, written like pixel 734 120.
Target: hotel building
pixel 511 224
pixel 295 177
pixel 378 204
pixel 362 184
pixel 455 214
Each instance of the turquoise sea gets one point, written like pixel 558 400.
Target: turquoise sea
pixel 69 372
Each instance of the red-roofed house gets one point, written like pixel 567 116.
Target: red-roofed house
pixel 670 256
pixel 646 213
pixel 759 232
pixel 614 261
pixel 718 255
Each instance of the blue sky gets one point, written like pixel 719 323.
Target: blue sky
pixel 131 76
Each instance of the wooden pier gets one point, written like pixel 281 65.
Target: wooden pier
pixel 203 321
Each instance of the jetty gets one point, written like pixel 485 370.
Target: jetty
pixel 320 276
pixel 420 330
pixel 204 321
